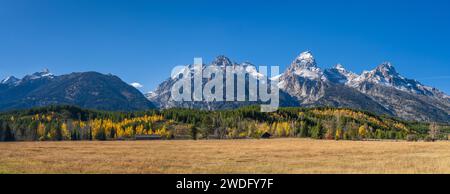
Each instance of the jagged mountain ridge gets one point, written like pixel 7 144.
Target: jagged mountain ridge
pixel 87 90
pixel 382 90
pixel 161 97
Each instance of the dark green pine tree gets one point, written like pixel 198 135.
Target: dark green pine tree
pixel 8 133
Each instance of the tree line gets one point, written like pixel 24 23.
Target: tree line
pixel 58 123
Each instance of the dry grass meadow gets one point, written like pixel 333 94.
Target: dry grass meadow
pixel 225 156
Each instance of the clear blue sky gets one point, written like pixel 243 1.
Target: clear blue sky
pixel 142 40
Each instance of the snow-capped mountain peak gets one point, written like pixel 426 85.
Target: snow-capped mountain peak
pixel 44 73
pixel 9 80
pixel 338 74
pixel 304 60
pixel 340 67
pixel 222 60
pixel 307 55
pixel 305 66
pixel 386 69
pixel 386 75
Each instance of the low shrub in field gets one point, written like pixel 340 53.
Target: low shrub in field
pixel 412 137
pixel 429 139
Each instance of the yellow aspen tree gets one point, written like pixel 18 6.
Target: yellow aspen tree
pixel 129 132
pixel 140 130
pixel 339 134
pixel 362 131
pixel 119 131
pixel 41 131
pixel 65 132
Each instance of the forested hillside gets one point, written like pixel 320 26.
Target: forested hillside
pixel 56 123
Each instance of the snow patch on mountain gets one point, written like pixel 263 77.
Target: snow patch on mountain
pixel 339 74
pixel 137 85
pixel 9 80
pixel 44 73
pixel 38 75
pixel 150 95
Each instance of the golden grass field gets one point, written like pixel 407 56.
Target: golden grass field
pixel 225 156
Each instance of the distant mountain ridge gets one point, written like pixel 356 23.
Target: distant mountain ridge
pixel 382 90
pixel 87 90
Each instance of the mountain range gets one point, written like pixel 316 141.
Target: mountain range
pixel 382 90
pixel 87 90
pixel 303 84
